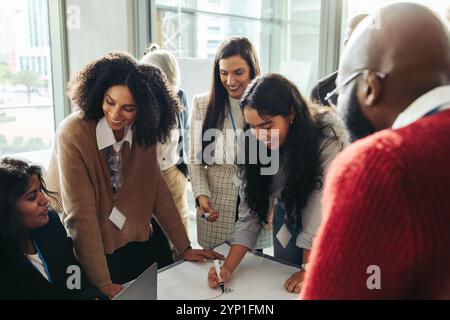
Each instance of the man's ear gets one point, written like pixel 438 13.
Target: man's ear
pixel 369 89
pixel 369 98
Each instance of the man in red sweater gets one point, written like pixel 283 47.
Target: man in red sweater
pixel 386 205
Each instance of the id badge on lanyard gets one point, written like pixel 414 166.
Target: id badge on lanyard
pixel 115 168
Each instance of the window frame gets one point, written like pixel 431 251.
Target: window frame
pixel 59 59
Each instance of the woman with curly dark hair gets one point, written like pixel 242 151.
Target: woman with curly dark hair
pixel 106 176
pixel 37 259
pixel 302 139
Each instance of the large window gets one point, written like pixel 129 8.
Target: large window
pixel 285 33
pixel 26 103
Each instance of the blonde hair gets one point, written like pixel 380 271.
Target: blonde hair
pixel 165 61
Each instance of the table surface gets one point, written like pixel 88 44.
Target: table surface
pixel 258 277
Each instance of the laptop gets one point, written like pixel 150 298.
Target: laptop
pixel 143 288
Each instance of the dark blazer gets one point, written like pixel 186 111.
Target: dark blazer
pixel 25 282
pixel 322 88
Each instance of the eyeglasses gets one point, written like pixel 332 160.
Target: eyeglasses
pixel 332 97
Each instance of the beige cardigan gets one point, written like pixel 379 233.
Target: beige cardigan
pixel 79 175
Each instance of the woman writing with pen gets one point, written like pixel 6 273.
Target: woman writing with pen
pixel 306 138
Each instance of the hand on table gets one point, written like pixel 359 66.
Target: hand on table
pixel 295 283
pixel 203 255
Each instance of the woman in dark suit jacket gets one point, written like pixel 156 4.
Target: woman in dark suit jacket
pixel 37 257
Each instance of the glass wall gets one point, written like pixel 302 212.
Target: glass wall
pixel 90 37
pixel 26 103
pixel 285 33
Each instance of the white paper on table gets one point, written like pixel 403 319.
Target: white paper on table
pixel 256 278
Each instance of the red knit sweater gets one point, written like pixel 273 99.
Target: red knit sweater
pixel 387 204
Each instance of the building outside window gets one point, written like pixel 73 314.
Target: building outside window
pixel 26 103
pixel 286 33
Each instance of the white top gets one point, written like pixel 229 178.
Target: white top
pixel 168 153
pixel 37 262
pixel 436 98
pixel 231 138
pixel 105 136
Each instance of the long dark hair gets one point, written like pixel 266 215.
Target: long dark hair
pixel 273 95
pixel 157 104
pixel 218 96
pixel 14 179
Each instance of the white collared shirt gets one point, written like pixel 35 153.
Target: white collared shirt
pixel 37 262
pixel 105 136
pixel 438 98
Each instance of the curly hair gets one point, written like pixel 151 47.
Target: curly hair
pixel 273 95
pixel 14 179
pixel 157 105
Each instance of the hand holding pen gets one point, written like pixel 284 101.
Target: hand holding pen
pixel 207 210
pixel 218 276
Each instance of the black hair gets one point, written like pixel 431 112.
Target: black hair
pixel 15 176
pixel 273 95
